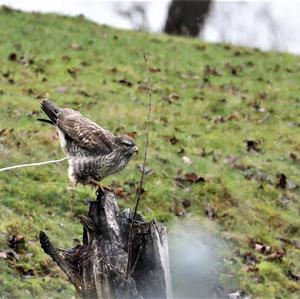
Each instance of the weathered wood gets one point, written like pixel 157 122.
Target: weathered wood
pixel 97 267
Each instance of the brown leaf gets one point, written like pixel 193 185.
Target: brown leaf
pixel 252 146
pixel 249 258
pixel 294 157
pixel 84 93
pixel 114 70
pixel 12 57
pixel 277 255
pixel 75 46
pixel 186 203
pixel 181 152
pixel 294 276
pixel 173 95
pixel 173 140
pixel 252 269
pixel 143 87
pixel 23 272
pixel 3 255
pixel 65 58
pixel 179 210
pixel 73 71
pixel 281 181
pixel 120 192
pixel 28 91
pixel 210 71
pixel 295 243
pixel 154 69
pixel 16 242
pixel 170 98
pixel 211 213
pixel 125 82
pixel 11 254
pixel 189 178
pixel 264 249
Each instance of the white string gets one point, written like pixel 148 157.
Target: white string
pixel 33 164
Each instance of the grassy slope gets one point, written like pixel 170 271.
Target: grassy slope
pixel 252 95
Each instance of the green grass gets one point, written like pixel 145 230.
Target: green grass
pixel 243 95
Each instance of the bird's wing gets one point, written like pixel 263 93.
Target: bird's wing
pixel 86 134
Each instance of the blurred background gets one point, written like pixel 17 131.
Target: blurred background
pixel 268 25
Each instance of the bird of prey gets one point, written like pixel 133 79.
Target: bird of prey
pixel 94 152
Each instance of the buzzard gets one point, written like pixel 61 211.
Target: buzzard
pixel 94 152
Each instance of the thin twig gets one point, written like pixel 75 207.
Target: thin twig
pixel 139 191
pixel 33 164
pixel 136 260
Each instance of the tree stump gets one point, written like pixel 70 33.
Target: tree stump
pixel 97 267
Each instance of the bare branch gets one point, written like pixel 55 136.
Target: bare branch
pixel 128 271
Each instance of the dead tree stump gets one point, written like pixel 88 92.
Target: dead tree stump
pixel 97 267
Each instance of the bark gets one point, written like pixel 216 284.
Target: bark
pixel 97 267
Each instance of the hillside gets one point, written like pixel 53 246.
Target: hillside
pixel 233 112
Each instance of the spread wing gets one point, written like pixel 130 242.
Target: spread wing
pixel 79 132
pixel 86 134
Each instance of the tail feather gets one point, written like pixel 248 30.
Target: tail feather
pixel 46 121
pixel 51 110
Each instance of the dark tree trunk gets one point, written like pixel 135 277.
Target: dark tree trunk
pixel 186 17
pixel 97 267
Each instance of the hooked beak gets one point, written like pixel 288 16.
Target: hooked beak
pixel 135 149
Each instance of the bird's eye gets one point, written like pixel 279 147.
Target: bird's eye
pixel 128 144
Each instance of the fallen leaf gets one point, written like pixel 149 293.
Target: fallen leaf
pixel 173 140
pixel 75 46
pixel 65 58
pixel 186 203
pixel 277 255
pixel 12 57
pixel 11 254
pixel 84 93
pixel 264 249
pixel 211 213
pixel 294 276
pixel 125 82
pixel 188 178
pixel 210 71
pixel 73 71
pixel 257 175
pixel 252 146
pixel 154 69
pixel 249 258
pixel 16 242
pixel 179 210
pixel 120 192
pixel 281 181
pixel 295 243
pixel 294 157
pixel 114 70
pixel 23 272
pixel 193 177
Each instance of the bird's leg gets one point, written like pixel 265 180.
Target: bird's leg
pixel 100 187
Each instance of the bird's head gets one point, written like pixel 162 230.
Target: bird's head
pixel 126 144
